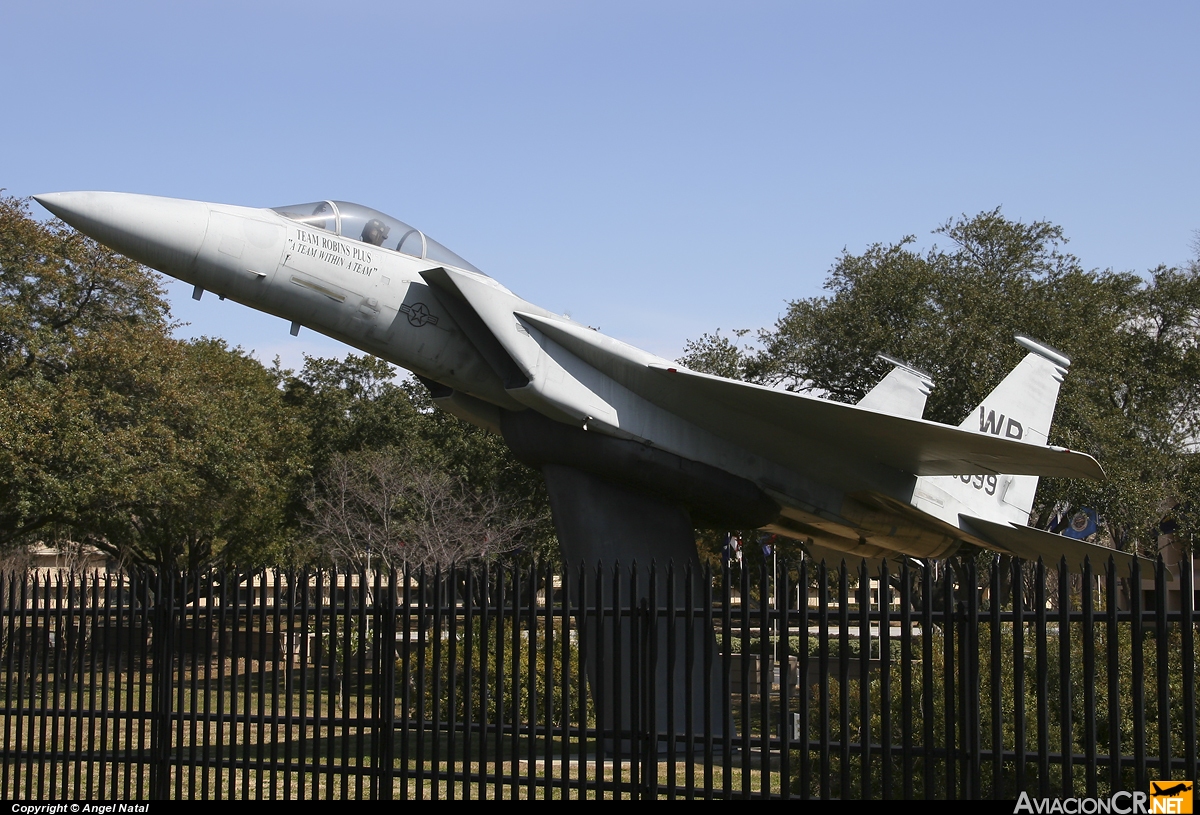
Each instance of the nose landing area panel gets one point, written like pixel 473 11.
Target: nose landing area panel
pixel 247 247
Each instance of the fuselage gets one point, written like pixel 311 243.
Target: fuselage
pixel 318 266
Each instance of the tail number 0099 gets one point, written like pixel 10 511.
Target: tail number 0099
pixel 979 482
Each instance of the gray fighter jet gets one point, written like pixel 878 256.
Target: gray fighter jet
pixel 635 449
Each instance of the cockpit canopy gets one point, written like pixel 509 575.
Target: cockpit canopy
pixel 372 226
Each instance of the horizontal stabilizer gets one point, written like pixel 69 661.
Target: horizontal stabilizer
pixel 1028 543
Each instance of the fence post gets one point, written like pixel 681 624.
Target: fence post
pixel 1162 667
pixel 1065 692
pixel 162 691
pixel 385 688
pixel 953 716
pixel 643 736
pixel 1187 611
pixel 968 690
pixel 1138 658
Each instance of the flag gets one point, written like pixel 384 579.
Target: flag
pixel 732 550
pixel 1082 525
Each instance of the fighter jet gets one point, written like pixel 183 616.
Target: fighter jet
pixel 636 449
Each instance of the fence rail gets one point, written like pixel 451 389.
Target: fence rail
pixel 796 682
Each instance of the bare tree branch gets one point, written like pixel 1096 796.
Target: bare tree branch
pixel 387 506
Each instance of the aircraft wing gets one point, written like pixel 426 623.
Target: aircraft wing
pixel 759 417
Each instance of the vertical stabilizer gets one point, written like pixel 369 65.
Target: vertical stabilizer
pixel 1020 408
pixel 901 393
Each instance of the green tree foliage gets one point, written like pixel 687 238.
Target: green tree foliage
pixel 164 453
pixel 349 404
pixel 72 313
pixel 719 355
pixel 1132 398
pixel 216 488
pixel 523 666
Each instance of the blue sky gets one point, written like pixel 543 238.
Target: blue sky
pixel 657 169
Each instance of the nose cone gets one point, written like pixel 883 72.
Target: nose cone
pixel 163 233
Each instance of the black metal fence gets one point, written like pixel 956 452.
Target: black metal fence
pixel 797 681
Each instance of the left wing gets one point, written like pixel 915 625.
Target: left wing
pixel 566 371
pixel 758 417
pixel 579 376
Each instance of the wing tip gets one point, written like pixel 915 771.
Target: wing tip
pixel 1094 470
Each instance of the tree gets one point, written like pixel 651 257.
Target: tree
pixel 1132 398
pixel 74 317
pixel 167 454
pixel 482 461
pixel 386 506
pixel 368 430
pixel 350 404
pixel 228 452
